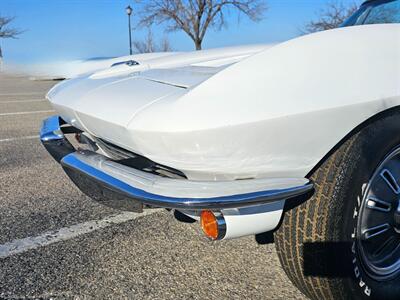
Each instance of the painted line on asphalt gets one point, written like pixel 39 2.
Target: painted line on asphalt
pixel 22 101
pixel 29 137
pixel 67 233
pixel 26 113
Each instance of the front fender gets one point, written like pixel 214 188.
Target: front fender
pixel 279 112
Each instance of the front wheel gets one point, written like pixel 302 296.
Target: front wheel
pixel 344 242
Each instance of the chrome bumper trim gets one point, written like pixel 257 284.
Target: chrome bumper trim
pixel 79 164
pixel 51 129
pixel 53 138
pixel 97 175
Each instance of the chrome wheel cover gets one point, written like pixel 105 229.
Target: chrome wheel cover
pixel 378 224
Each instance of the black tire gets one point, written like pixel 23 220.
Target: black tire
pixel 316 243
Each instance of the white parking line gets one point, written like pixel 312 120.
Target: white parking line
pixel 29 137
pixel 22 101
pixel 26 112
pixel 66 233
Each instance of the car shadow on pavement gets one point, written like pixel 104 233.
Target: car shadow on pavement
pixel 325 259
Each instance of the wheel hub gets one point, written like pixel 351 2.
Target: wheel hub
pixel 378 224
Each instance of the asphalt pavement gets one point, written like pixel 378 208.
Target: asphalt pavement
pixel 57 243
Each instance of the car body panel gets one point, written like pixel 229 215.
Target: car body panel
pixel 275 113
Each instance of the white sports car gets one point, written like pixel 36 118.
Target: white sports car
pixel 300 138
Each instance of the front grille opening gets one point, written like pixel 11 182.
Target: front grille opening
pixel 80 140
pixel 130 159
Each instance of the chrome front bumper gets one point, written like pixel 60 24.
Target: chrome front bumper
pixel 127 188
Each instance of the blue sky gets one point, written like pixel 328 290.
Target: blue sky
pixel 79 29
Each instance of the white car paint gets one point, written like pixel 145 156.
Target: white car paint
pixel 206 58
pixel 273 113
pixel 179 188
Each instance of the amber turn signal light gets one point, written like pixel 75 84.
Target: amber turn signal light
pixel 209 224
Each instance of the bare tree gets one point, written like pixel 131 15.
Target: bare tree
pixel 195 17
pixel 332 16
pixel 165 45
pixel 148 45
pixel 6 31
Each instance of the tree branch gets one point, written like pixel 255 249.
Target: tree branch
pixel 195 17
pixel 332 16
pixel 7 32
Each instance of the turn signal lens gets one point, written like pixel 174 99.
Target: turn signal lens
pixel 209 224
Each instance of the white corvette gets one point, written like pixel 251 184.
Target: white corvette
pixel 301 138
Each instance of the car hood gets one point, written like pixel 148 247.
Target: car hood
pixel 103 103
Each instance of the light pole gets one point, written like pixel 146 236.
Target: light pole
pixel 129 12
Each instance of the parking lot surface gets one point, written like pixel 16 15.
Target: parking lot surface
pixel 57 243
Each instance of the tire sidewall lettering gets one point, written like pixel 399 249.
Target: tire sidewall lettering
pixel 366 290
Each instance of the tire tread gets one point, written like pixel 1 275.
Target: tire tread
pixel 311 222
